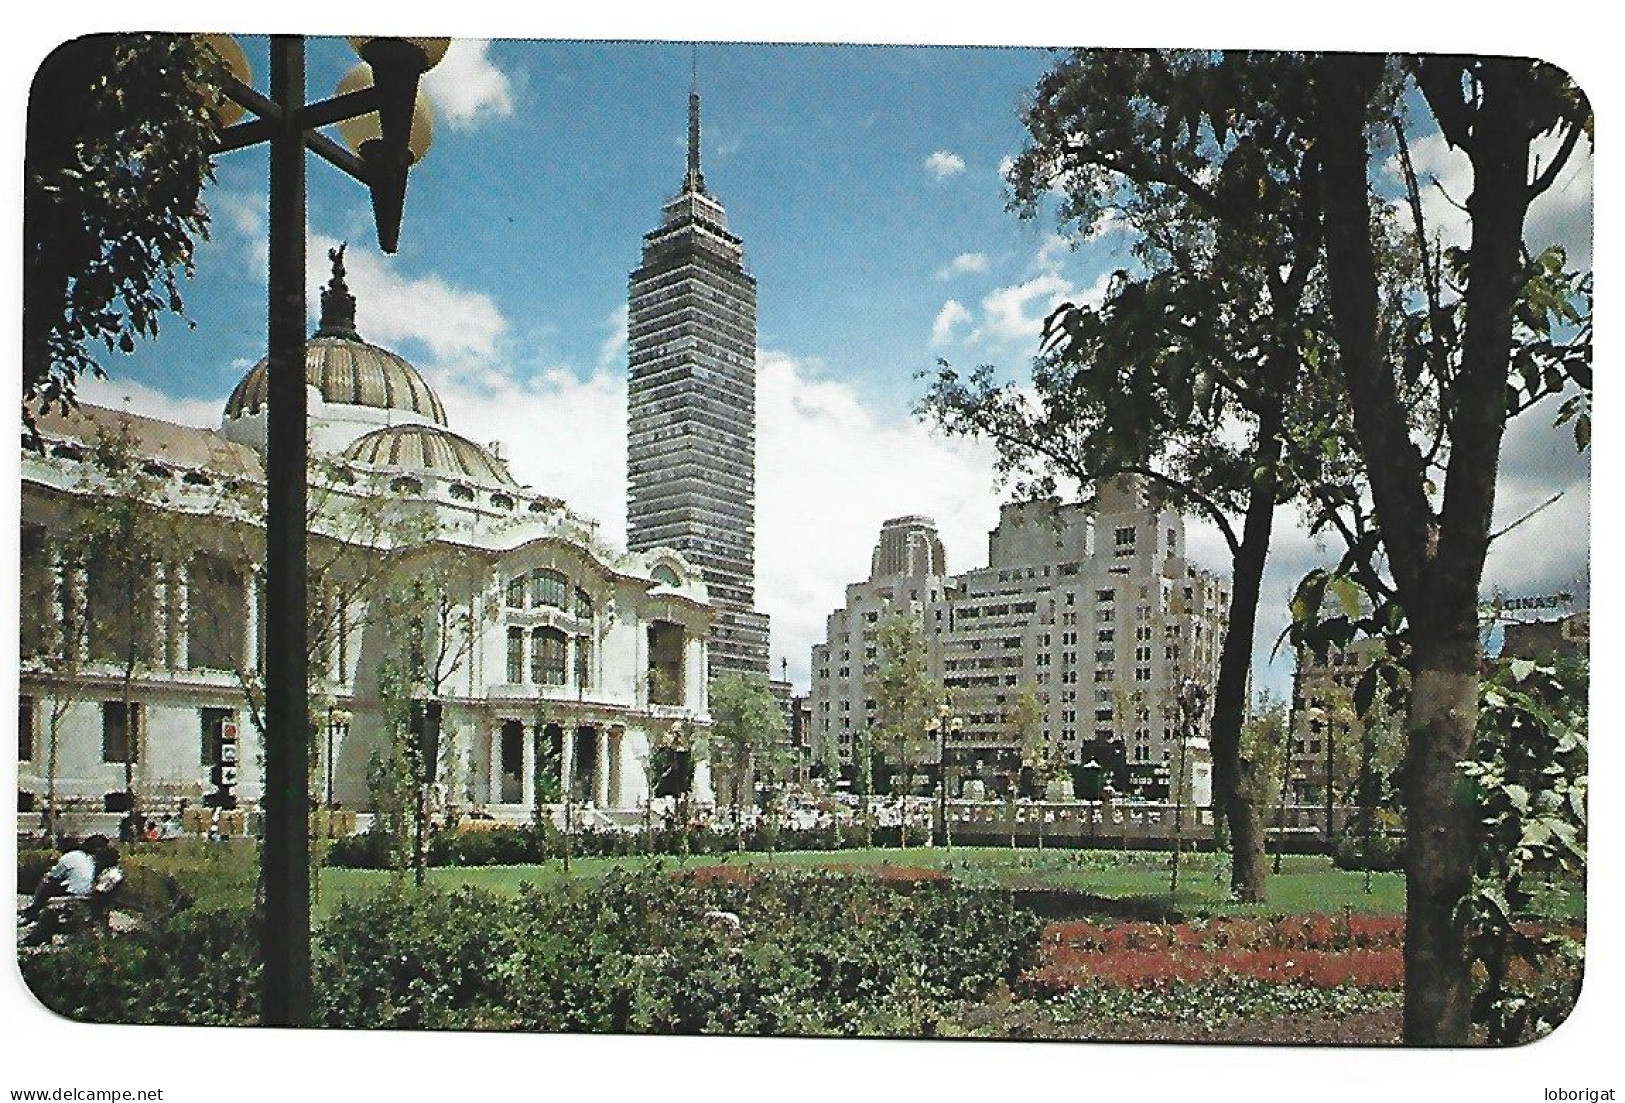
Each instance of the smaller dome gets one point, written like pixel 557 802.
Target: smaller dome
pixel 431 449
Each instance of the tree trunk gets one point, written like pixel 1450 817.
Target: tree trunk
pixel 1231 773
pixel 1438 842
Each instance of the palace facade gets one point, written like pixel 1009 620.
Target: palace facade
pixel 556 662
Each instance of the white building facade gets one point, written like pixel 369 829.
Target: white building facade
pixel 1097 613
pixel 557 662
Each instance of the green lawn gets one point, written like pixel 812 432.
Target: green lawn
pixel 1306 884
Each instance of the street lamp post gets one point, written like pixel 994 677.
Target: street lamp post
pixel 946 722
pixel 378 117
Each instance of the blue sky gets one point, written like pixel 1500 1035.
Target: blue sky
pixel 865 182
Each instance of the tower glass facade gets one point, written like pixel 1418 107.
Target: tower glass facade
pixel 691 409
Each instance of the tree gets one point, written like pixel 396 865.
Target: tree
pixel 428 615
pixel 120 132
pixel 745 726
pixel 1495 331
pixel 1024 727
pixel 906 701
pixel 1201 374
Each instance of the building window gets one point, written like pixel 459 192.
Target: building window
pixel 547 657
pixel 583 662
pixel 583 604
pixel 25 729
pixel 516 593
pixel 548 588
pixel 216 614
pixel 121 732
pixel 516 656
pixel 35 591
pixel 120 606
pixel 211 730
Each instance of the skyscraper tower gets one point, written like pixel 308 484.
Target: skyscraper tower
pixel 691 408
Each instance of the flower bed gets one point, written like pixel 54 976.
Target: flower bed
pixel 1323 951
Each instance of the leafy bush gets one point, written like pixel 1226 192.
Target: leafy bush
pixel 782 952
pixel 530 844
pixel 404 961
pixel 1383 852
pixel 32 866
pixel 199 967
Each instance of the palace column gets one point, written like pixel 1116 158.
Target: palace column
pixel 493 764
pixel 600 787
pixel 567 760
pixel 527 766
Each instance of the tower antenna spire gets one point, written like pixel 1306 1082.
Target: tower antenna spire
pixel 695 181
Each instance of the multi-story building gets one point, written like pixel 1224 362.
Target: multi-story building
pixel 691 409
pixel 1545 640
pixel 557 661
pixel 1327 728
pixel 1094 613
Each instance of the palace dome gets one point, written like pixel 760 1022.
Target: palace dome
pixel 345 369
pixel 430 449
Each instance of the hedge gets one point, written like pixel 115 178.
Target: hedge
pixel 782 952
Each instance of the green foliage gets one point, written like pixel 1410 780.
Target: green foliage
pixel 811 953
pixel 196 968
pixel 1529 778
pixel 413 961
pixel 746 723
pixel 906 697
pixel 1213 1004
pixel 119 138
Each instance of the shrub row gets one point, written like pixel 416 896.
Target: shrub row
pixel 786 953
pixel 529 844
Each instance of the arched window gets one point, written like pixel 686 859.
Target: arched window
pixel 406 484
pixel 547 657
pixel 665 576
pixel 515 598
pixel 583 607
pixel 548 587
pixel 461 492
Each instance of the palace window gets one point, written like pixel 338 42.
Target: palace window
pixel 216 614
pixel 516 655
pixel 547 657
pixel 121 732
pixel 548 588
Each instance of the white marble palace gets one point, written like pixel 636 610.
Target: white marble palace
pixel 559 662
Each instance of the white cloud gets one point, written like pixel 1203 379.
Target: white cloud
pixel 561 435
pixel 943 164
pixel 612 353
pixel 952 314
pixel 466 86
pixel 830 471
pixel 138 398
pixel 1053 253
pixel 1016 314
pixel 1561 215
pixel 962 264
pixel 392 307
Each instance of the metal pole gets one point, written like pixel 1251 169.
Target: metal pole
pixel 285 934
pixel 942 780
